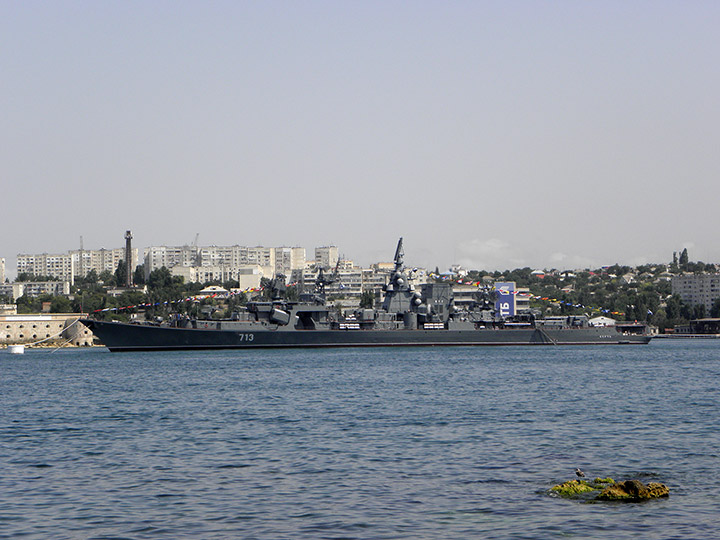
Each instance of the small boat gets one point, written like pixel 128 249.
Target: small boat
pixel 16 349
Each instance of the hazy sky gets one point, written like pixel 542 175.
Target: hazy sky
pixel 491 134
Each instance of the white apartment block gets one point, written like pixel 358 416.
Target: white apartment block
pixel 2 270
pixel 57 266
pixel 350 282
pixel 74 263
pixel 288 259
pixel 326 257
pixel 100 260
pixel 696 289
pixel 34 289
pixel 248 277
pixel 168 256
pixel 223 260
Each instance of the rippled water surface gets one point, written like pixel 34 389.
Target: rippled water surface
pixel 376 443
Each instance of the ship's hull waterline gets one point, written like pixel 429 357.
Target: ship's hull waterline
pixel 137 337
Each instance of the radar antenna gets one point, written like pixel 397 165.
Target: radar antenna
pixel 399 254
pixel 321 281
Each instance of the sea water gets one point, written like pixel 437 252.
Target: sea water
pixel 447 442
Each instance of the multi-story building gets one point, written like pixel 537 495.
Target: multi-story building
pixel 57 266
pixel 168 256
pixel 697 289
pixel 248 276
pixel 351 282
pixel 75 263
pixel 2 270
pixel 34 289
pixel 522 300
pixel 288 259
pixel 223 260
pixel 326 257
pixel 100 260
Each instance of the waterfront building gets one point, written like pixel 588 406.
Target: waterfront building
pixel 697 289
pixel 465 296
pixel 522 300
pixel 56 328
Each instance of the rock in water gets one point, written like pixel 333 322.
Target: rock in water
pixel 605 489
pixel 572 488
pixel 632 491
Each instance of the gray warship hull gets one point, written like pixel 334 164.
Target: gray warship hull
pixel 407 318
pixel 141 337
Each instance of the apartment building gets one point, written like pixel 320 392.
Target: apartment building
pixel 156 257
pixel 224 260
pixel 288 259
pixel 697 289
pixel 60 266
pixel 351 282
pixel 248 277
pixel 326 257
pixel 100 260
pixel 34 289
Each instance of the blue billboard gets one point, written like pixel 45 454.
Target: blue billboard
pixel 505 303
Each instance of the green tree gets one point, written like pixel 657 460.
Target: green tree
pixel 160 278
pixel 25 276
pixel 367 300
pixel 121 274
pixel 60 304
pixel 291 294
pixel 715 309
pixel 108 278
pixel 684 259
pixel 139 275
pixel 673 307
pixel 91 277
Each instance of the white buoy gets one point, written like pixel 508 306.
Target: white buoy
pixel 16 349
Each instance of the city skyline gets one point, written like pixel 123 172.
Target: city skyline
pixel 490 135
pixel 210 252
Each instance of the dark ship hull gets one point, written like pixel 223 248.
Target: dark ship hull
pixel 142 337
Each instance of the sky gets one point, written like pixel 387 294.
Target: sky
pixel 495 135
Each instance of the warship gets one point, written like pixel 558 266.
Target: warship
pixel 408 316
